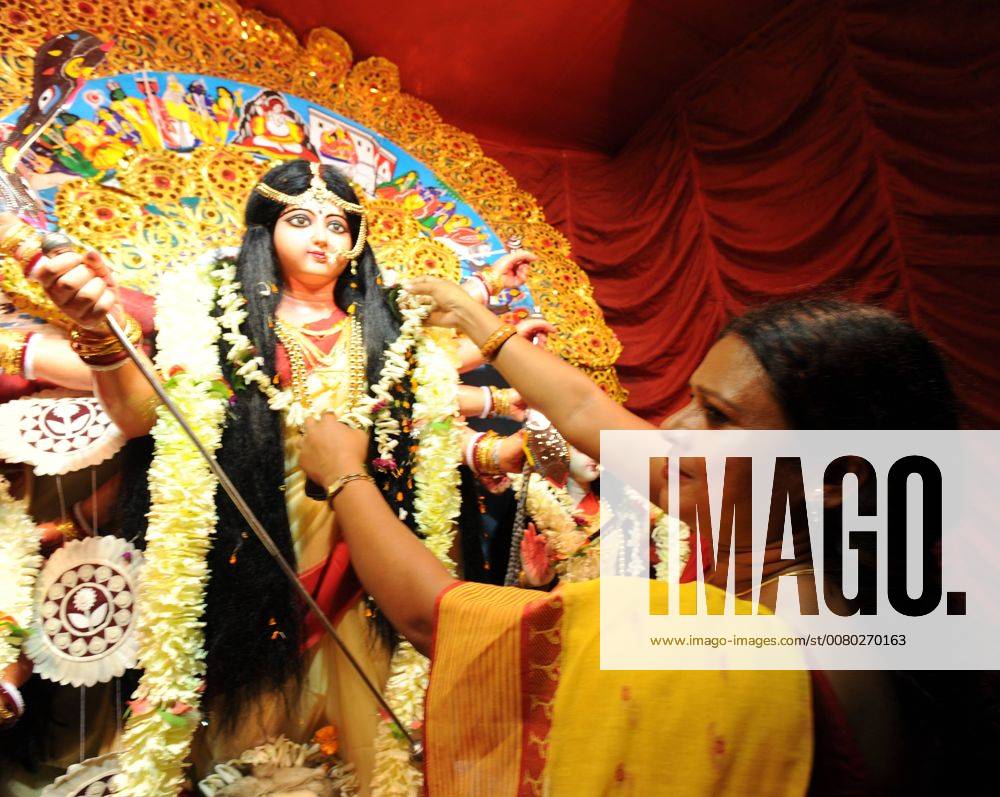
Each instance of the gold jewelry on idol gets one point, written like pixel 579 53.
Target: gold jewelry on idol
pixel 12 345
pixel 486 454
pixel 315 198
pixel 22 242
pixel 303 354
pixel 491 278
pixel 502 400
pixel 99 349
pixel 69 530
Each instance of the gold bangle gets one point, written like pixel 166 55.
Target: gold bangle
pixel 481 455
pixel 486 455
pixel 492 279
pixel 339 484
pixel 495 341
pixel 503 402
pixel 92 346
pixel 16 234
pixel 12 345
pixel 21 242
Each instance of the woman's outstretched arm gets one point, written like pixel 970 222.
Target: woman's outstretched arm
pixel 393 565
pixel 577 407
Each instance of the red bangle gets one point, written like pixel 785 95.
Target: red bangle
pixel 106 362
pixel 30 265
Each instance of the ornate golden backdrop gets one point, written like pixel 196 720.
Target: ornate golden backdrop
pixel 218 38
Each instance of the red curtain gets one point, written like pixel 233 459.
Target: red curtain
pixel 850 148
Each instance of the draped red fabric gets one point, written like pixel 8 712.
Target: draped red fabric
pixel 850 148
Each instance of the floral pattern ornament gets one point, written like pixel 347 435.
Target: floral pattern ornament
pixel 182 517
pixel 437 505
pixel 20 561
pixel 84 630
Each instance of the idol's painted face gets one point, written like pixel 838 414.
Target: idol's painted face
pixel 310 246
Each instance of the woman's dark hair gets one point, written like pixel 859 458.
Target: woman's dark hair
pixel 254 622
pixel 839 365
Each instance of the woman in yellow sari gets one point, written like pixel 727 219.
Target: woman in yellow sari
pixel 518 704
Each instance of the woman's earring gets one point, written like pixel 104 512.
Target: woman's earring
pixel 354 268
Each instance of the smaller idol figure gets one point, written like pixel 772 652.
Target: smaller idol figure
pixel 270 125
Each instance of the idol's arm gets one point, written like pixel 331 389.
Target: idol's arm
pixel 82 287
pixel 52 359
pixel 393 565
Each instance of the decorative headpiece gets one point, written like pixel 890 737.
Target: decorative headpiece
pixel 315 198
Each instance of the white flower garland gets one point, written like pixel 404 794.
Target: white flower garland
pixel 556 518
pixel 375 410
pixel 437 505
pixel 157 737
pixel 20 561
pixel 182 518
pixel 669 534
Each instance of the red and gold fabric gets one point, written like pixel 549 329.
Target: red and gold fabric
pixel 518 705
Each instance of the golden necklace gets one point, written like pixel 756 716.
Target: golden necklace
pixel 304 354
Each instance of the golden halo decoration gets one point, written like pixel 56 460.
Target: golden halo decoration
pixel 419 257
pixel 217 37
pixel 158 177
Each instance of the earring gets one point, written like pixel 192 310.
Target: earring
pixel 354 268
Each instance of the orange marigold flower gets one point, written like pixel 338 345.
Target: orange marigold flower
pixel 327 739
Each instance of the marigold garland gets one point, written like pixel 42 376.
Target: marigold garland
pixel 182 518
pixel 20 561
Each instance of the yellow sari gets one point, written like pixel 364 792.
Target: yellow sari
pixel 518 705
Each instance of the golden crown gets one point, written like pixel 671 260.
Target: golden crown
pixel 315 197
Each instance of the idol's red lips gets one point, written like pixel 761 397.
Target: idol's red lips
pixel 318 254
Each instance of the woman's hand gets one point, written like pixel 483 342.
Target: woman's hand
pixel 451 303
pixel 513 268
pixel 79 285
pixel 331 449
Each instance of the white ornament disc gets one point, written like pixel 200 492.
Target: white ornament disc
pixel 90 778
pixel 84 628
